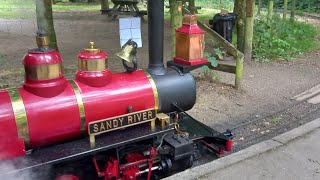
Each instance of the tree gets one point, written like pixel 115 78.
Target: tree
pixel 259 7
pixel 240 10
pixel 293 9
pixel 192 7
pixel 249 30
pixel 270 9
pixel 45 21
pixel 104 4
pixel 176 22
pixel 285 9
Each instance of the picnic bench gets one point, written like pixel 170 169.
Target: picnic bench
pixel 124 7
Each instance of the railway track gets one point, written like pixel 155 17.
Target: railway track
pixel 260 129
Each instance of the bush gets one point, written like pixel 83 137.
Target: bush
pixel 281 39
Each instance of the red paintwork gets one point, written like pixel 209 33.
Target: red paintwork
pixel 10 144
pixel 51 120
pixel 190 63
pixel 130 170
pixel 67 177
pixel 44 88
pixel 132 157
pixel 130 173
pixel 90 56
pixel 229 145
pixel 35 57
pixel 124 90
pixel 55 119
pixel 94 79
pixel 190 29
pixel 112 170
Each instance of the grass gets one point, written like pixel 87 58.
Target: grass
pixel 25 9
pixel 276 120
pixel 2 57
pixel 17 9
pixel 216 4
pixel 76 7
pixel 282 39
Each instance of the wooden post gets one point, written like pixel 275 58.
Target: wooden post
pixel 270 9
pixel 293 9
pixel 249 31
pixel 45 21
pixel 104 4
pixel 285 9
pixel 176 22
pixel 240 9
pixel 239 70
pixel 192 7
pixel 259 7
pixel 231 49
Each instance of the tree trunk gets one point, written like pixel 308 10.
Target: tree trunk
pixel 285 9
pixel 192 7
pixel 293 9
pixel 176 22
pixel 45 21
pixel 240 10
pixel 259 7
pixel 249 30
pixel 270 9
pixel 104 4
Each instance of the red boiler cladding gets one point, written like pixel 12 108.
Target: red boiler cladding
pixel 48 109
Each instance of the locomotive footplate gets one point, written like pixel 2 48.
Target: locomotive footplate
pixel 199 132
pixel 69 151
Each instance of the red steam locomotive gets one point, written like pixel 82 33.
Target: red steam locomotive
pixel 135 120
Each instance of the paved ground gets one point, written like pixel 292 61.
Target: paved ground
pixel 294 155
pixel 299 159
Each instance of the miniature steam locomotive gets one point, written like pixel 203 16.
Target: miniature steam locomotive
pixel 135 120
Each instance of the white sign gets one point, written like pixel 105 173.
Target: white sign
pixel 130 28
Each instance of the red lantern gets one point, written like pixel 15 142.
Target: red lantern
pixel 190 43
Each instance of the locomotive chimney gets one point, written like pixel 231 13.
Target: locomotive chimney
pixel 155 28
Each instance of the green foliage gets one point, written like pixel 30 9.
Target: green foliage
pixel 2 57
pixel 206 72
pixel 279 39
pixel 216 4
pixel 17 9
pixel 306 5
pixel 218 53
pixel 276 120
pixel 76 7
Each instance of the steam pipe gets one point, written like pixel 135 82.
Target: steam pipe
pixel 155 31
